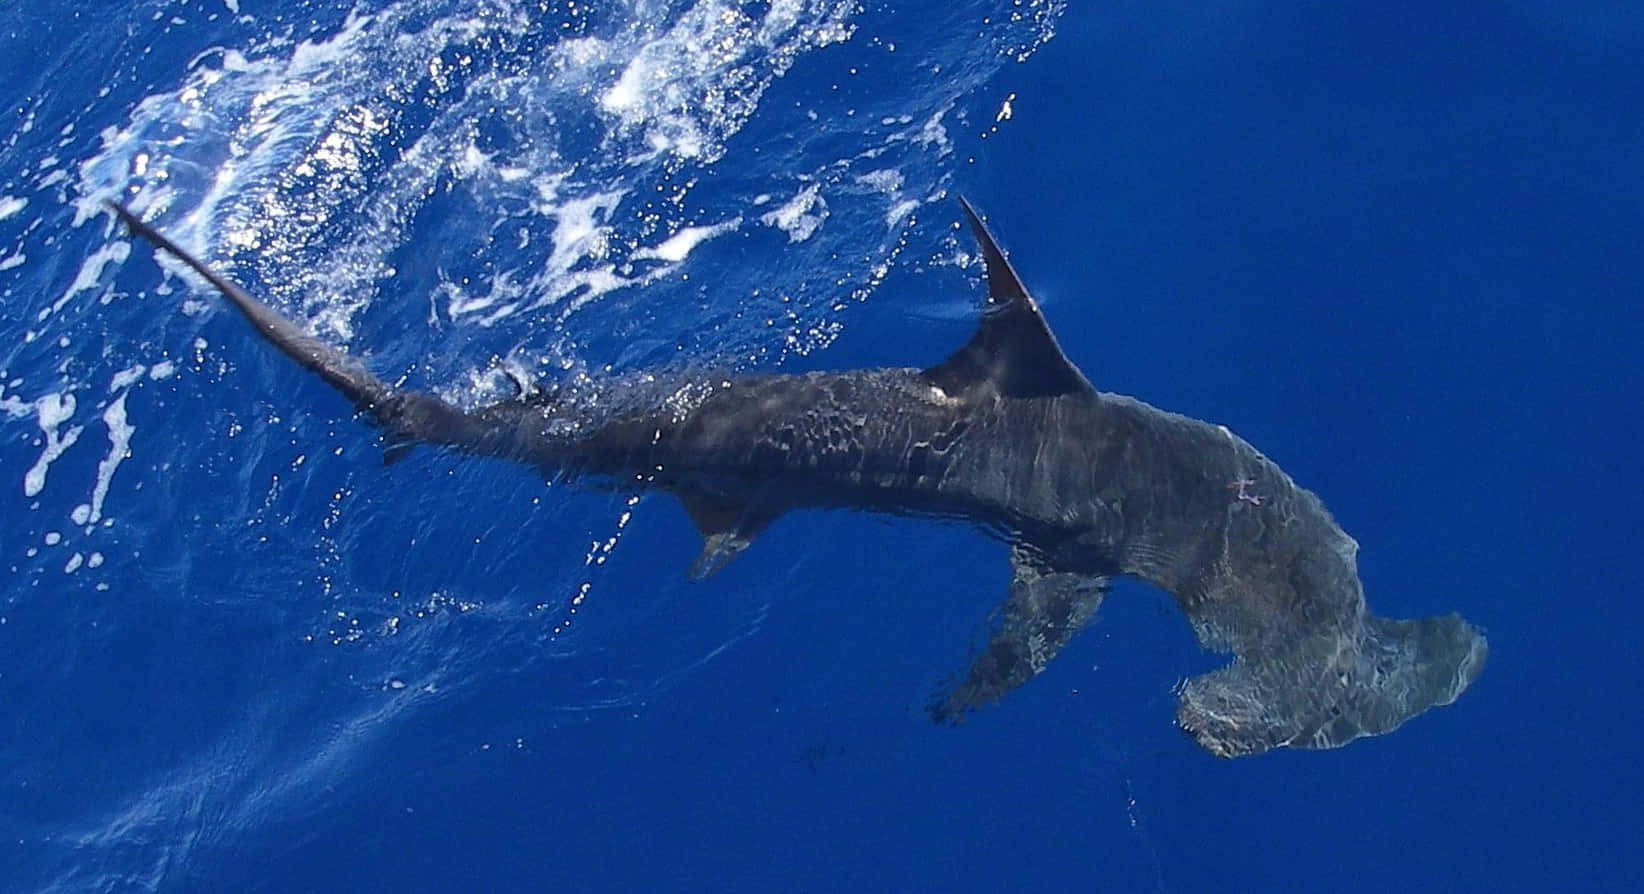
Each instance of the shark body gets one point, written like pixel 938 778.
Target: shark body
pixel 1009 435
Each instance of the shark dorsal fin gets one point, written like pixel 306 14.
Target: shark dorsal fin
pixel 1013 351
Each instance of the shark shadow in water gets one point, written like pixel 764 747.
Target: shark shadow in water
pixel 1009 435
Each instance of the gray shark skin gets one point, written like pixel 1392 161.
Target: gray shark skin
pixel 1008 435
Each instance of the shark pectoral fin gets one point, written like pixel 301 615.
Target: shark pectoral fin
pixel 718 549
pixel 1046 609
pixel 395 448
pixel 1329 687
pixel 727 529
pixel 1013 351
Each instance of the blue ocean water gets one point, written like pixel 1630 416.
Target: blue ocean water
pixel 1395 246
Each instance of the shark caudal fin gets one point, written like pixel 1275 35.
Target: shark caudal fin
pixel 1013 352
pixel 1329 688
pixel 406 417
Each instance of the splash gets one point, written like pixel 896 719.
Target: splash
pixel 314 160
pixel 555 164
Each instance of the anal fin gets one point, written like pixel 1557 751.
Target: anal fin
pixel 1047 607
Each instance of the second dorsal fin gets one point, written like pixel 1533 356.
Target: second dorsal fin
pixel 1013 351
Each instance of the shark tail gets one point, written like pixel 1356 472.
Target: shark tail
pixel 406 417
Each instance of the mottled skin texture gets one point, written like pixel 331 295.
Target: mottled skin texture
pixel 1096 485
pixel 1006 435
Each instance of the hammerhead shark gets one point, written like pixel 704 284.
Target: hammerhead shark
pixel 1008 435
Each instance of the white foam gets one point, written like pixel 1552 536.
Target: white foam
pixel 582 233
pixel 125 377
pixel 580 230
pixel 165 369
pixel 51 412
pixel 119 440
pixel 265 147
pixel 13 407
pixel 686 86
pixel 800 216
pixel 10 261
pixel 461 302
pixel 885 180
pixel 10 205
pixel 934 134
pixel 74 563
pixel 676 247
pixel 90 274
pixel 570 169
